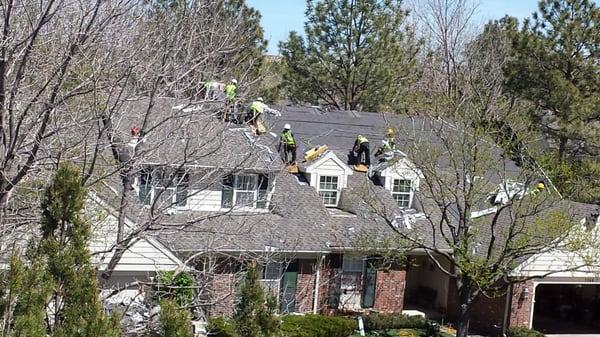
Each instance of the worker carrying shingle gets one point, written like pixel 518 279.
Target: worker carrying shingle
pixel 288 143
pixel 361 148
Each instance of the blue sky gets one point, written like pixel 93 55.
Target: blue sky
pixel 279 17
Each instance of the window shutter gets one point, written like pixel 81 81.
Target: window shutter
pixel 368 300
pixel 287 296
pixel 263 187
pixel 145 192
pixel 227 192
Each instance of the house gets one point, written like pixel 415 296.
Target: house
pixel 213 196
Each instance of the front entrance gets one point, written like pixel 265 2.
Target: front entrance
pixel 567 309
pixel 426 288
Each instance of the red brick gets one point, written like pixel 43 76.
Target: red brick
pixel 389 290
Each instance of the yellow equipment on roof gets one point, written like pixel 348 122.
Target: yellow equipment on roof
pixel 361 168
pixel 315 152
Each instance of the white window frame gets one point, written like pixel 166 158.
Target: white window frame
pixel 270 283
pixel 337 190
pixel 253 191
pixel 154 191
pixel 410 192
pixel 354 266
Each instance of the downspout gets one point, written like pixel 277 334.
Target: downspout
pixel 317 281
pixel 507 305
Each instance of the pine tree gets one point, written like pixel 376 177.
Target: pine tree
pixel 555 64
pixel 357 55
pixel 174 322
pixel 254 316
pixel 52 290
pixel 65 236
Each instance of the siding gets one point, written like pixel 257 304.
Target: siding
pixel 145 255
pixel 329 168
pixel 204 200
pixel 554 262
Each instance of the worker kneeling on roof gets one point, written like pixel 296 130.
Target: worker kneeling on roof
pixel 361 148
pixel 388 146
pixel 289 145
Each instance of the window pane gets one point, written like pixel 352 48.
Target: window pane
pixel 245 182
pixel 328 183
pixel 244 198
pixel 329 197
pixel 272 271
pixel 403 200
pixel 352 263
pixel 165 196
pixel 401 185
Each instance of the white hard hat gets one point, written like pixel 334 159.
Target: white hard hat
pixel 234 81
pixel 287 127
pixel 259 99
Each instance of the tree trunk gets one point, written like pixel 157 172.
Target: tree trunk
pixel 463 284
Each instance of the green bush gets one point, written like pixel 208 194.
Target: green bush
pixel 220 327
pixel 523 332
pixel 395 333
pixel 317 326
pixel 394 321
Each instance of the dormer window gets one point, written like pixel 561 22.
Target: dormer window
pixel 245 191
pixel 402 192
pixel 329 190
pixel 163 189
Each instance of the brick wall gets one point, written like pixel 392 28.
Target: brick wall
pixel 222 294
pixel 305 288
pixel 521 304
pixel 389 290
pixel 487 312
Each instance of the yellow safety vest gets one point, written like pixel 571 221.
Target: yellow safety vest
pixel 362 139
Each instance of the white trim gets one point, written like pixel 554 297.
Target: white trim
pixel 411 190
pixel 338 190
pixel 313 167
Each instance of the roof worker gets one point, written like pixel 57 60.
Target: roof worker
pixel 289 145
pixel 230 91
pixel 361 148
pixel 539 187
pixel 388 146
pixel 212 89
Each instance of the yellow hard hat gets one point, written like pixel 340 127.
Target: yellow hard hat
pixel 389 132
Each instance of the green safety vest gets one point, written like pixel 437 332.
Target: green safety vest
pixel 257 106
pixel 362 139
pixel 230 90
pixel 390 145
pixel 287 138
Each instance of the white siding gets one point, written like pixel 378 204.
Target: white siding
pixel 204 200
pixel 329 168
pixel 145 255
pixel 556 262
pixel 562 263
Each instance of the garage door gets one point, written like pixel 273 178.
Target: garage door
pixel 567 309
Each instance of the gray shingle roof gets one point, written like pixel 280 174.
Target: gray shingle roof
pixel 298 220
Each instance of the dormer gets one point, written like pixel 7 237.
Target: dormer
pixel 401 177
pixel 173 190
pixel 328 175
